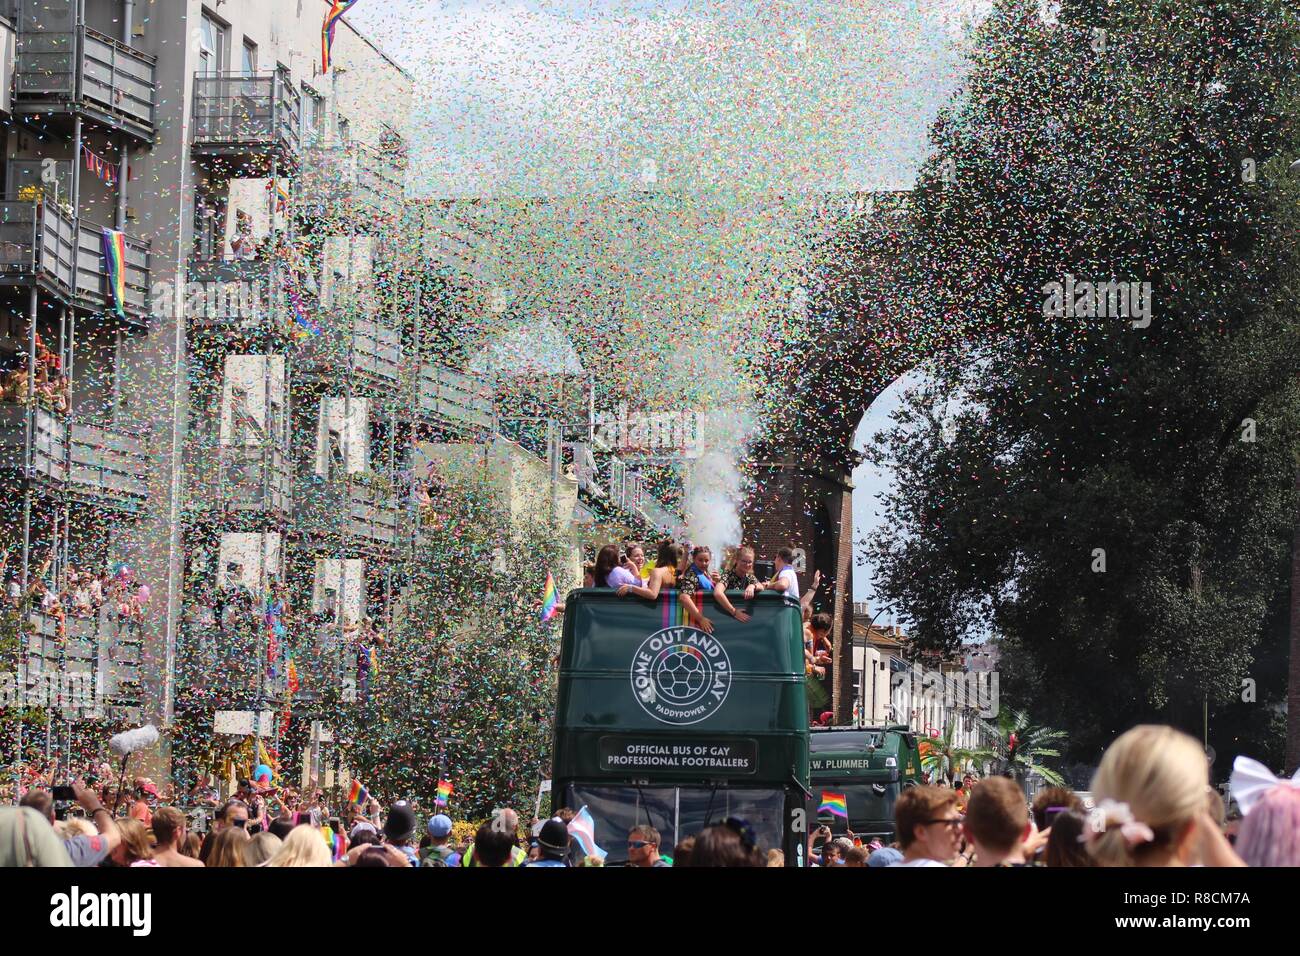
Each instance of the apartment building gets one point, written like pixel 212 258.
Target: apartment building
pixel 228 418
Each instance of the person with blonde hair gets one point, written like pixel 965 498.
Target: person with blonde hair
pixel 1151 803
pixel 304 846
pixel 135 848
pixel 260 849
pixel 227 848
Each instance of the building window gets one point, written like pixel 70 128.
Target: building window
pixel 312 110
pixel 250 58
pixel 212 45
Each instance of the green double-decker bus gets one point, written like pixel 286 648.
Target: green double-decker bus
pixel 868 768
pixel 660 723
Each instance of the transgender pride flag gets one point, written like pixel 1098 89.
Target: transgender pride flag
pixel 583 829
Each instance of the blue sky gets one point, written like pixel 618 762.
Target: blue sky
pixel 538 97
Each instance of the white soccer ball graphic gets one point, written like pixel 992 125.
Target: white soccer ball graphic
pixel 681 676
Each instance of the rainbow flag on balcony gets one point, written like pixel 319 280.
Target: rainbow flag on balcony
pixel 115 268
pixel 332 18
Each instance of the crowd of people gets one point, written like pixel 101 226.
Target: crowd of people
pixel 49 386
pixel 83 593
pixel 1153 807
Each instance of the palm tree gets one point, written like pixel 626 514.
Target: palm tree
pixel 1022 745
pixel 942 759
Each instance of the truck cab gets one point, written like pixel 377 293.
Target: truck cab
pixel 858 774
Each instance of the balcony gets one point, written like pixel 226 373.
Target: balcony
pixel 369 353
pixel 350 186
pixel 250 480
pixel 366 514
pixel 453 400
pixel 104 465
pixel 86 73
pixel 250 296
pixel 220 652
pixel 93 663
pixel 248 121
pixel 43 243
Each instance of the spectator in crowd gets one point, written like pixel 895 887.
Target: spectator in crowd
pixel 552 845
pixel 134 848
pixel 1053 800
pixel 1151 811
pixel 81 850
pixel 146 793
pixel 643 847
pixel 1066 840
pixel 399 831
pixel 885 856
pixel 259 850
pixel 440 852
pixel 232 813
pixel 928 826
pixel 682 852
pixel 169 836
pixel 192 846
pixel 506 821
pixel 27 839
pixel 997 823
pixel 1270 827
pixel 493 846
pixel 857 856
pixel 226 847
pixel 306 847
pixel 775 858
pixel 729 844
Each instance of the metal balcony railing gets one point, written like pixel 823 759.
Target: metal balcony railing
pixel 349 183
pixel 447 397
pixel 105 464
pixel 247 478
pixel 369 352
pixel 85 70
pixel 242 116
pixel 93 663
pixel 43 242
pixel 353 509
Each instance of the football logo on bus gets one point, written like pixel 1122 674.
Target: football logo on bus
pixel 681 675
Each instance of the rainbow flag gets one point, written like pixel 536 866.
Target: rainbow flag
pixel 444 791
pixel 114 243
pixel 336 11
pixel 358 794
pixel 836 804
pixel 548 598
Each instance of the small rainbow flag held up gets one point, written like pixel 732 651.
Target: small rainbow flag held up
pixel 444 791
pixel 336 11
pixel 836 804
pixel 115 268
pixel 548 598
pixel 358 794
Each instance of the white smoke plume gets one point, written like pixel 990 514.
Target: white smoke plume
pixel 714 488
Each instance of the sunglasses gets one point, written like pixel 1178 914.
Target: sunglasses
pixel 239 823
pixel 955 822
pixel 636 844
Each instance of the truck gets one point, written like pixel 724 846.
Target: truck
pixel 858 774
pixel 660 723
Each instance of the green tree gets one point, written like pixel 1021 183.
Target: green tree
pixel 469 659
pixel 1111 496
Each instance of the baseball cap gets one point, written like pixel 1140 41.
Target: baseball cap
pixel 885 856
pixel 439 826
pixel 400 823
